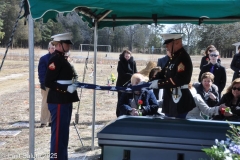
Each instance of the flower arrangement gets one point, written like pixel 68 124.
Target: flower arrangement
pixel 112 78
pixel 140 102
pixel 226 110
pixel 226 150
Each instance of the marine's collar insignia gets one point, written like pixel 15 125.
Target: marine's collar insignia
pixel 181 67
pixel 52 66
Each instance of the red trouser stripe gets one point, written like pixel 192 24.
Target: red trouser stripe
pixel 57 127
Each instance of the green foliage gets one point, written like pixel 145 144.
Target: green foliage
pixel 2 9
pixel 226 150
pixel 154 40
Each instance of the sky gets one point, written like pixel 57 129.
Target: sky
pixel 166 27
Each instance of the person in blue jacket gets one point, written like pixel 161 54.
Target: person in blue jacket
pixel 162 62
pixel 138 103
pixel 42 69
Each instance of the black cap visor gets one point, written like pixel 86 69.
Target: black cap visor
pixel 67 41
pixel 168 41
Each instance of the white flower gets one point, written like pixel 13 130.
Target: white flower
pixel 215 147
pixel 222 142
pixel 228 158
pixel 227 150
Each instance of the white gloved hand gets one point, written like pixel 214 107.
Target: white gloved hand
pixel 71 88
pixel 154 84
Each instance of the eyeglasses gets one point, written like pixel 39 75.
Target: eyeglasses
pixel 213 55
pixel 234 88
pixel 210 50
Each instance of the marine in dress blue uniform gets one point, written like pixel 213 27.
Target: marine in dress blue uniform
pixel 174 78
pixel 60 97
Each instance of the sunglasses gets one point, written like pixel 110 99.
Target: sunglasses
pixel 210 50
pixel 213 55
pixel 234 88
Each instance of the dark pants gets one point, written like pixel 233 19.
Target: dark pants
pixel 220 94
pixel 61 117
pixel 156 92
pixel 117 110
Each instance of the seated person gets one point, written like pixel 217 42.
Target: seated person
pixel 208 90
pixel 231 99
pixel 139 103
pixel 201 107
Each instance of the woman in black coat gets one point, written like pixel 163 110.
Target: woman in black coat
pixel 126 68
pixel 231 99
pixel 235 65
pixel 205 59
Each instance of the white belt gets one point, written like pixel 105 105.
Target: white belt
pixel 64 81
pixel 185 86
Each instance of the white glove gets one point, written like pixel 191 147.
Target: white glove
pixel 71 88
pixel 154 84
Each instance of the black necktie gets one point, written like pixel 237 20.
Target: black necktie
pixel 212 69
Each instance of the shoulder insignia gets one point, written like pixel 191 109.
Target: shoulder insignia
pixel 52 66
pixel 181 67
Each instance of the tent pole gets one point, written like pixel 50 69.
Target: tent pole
pixel 94 82
pixel 31 87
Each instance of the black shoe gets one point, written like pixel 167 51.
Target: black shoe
pixel 42 125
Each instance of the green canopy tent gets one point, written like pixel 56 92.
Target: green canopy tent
pixel 127 12
pixel 112 13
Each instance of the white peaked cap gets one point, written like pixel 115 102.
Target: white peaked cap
pixel 169 37
pixel 64 37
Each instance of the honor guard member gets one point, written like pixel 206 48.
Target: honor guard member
pixel 61 95
pixel 174 78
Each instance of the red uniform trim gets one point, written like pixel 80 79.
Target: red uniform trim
pixel 57 128
pixel 172 81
